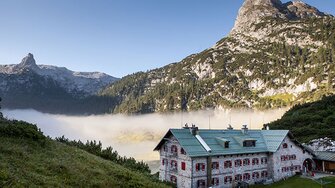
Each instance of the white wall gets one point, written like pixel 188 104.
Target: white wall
pixel 290 150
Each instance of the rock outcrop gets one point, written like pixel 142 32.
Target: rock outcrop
pixel 254 11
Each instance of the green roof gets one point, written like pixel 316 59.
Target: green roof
pixel 325 155
pixel 266 141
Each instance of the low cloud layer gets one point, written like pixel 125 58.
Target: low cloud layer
pixel 136 136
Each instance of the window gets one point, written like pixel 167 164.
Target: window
pixel 255 175
pixel 246 162
pixel 284 145
pixel 165 148
pixel 174 149
pixel 255 161
pixel 164 161
pixel 183 165
pixel 215 181
pixel 182 151
pixel 227 164
pixel 293 157
pixel 283 158
pixel 264 160
pixel 264 174
pixel 201 183
pixel 200 166
pixel 238 162
pixel 246 176
pixel 238 177
pixel 173 179
pixel 298 167
pixel 228 179
pixel 284 169
pixel 249 143
pixel 226 145
pixel 215 165
pixel 174 165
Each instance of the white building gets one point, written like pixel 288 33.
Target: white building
pixel 224 158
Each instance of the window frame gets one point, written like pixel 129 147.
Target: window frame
pixel 238 162
pixel 215 165
pixel 246 162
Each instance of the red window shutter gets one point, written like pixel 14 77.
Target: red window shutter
pixel 183 165
pixel 203 167
pixel 163 162
pixel 197 167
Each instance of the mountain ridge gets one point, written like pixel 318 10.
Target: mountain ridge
pixel 87 83
pixel 279 59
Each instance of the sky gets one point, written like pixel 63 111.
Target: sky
pixel 118 37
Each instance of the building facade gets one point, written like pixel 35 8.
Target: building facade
pixel 224 158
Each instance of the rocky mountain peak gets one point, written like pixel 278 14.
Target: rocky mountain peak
pixel 262 2
pixel 28 62
pixel 254 11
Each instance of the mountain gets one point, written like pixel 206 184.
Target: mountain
pixel 278 54
pixel 82 83
pixel 52 89
pixel 29 159
pixel 309 121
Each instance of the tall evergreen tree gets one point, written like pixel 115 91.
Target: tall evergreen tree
pixel 1 116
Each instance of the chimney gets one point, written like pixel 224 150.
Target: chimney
pixel 230 127
pixel 244 129
pixel 194 130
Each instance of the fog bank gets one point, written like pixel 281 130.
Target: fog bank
pixel 136 136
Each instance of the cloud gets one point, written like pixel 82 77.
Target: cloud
pixel 136 136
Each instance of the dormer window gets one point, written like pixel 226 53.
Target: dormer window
pixel 182 151
pixel 226 145
pixel 249 143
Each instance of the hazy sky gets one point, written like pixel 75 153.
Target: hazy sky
pixel 118 37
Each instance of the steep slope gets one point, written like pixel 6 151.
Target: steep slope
pixel 28 159
pixel 309 121
pixel 278 54
pixel 53 89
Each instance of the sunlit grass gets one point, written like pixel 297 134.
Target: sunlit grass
pixel 25 163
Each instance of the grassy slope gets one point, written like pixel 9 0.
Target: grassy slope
pixel 298 182
pixel 24 163
pixel 309 121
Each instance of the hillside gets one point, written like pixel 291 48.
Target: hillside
pixel 278 54
pixel 29 159
pixel 309 121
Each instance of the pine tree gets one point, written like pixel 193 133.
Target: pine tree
pixel 1 116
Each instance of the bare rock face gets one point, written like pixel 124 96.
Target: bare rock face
pixel 299 9
pixel 253 11
pixel 28 62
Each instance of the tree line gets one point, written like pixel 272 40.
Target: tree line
pixel 108 153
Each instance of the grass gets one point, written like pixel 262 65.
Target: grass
pixel 299 182
pixel 26 163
